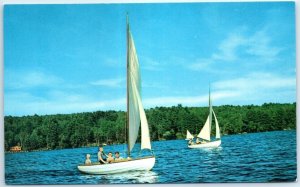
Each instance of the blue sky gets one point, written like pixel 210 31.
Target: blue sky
pixel 72 58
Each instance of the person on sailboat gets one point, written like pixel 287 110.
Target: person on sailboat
pixel 198 141
pixel 102 157
pixel 88 160
pixel 110 159
pixel 191 142
pixel 117 156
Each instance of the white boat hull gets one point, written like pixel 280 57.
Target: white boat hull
pixel 141 164
pixel 206 145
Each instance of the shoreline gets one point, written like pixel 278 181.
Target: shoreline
pixel 39 150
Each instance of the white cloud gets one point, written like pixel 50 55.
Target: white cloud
pixel 259 87
pixel 259 80
pixel 150 64
pixel 59 102
pixel 116 62
pixel 259 45
pixel 228 48
pixel 254 88
pixel 30 79
pixel 22 103
pixel 239 46
pixel 202 64
pixel 113 83
pixel 157 85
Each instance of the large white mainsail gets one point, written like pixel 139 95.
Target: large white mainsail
pixel 133 78
pixel 189 135
pixel 136 114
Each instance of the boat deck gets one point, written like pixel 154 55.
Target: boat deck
pixel 123 160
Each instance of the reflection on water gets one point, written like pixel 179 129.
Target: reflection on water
pixel 257 157
pixel 210 150
pixel 129 177
pixel 134 177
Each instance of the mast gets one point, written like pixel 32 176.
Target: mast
pixel 206 129
pixel 210 112
pixel 127 118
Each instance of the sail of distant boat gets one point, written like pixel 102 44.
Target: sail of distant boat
pixel 206 130
pixel 218 134
pixel 189 136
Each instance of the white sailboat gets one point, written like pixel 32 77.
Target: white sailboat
pixel 136 117
pixel 189 136
pixel 206 132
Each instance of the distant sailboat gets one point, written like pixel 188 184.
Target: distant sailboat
pixel 206 131
pixel 189 136
pixel 136 117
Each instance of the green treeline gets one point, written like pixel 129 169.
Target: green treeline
pixel 92 128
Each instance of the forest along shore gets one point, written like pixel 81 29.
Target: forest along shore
pixel 60 131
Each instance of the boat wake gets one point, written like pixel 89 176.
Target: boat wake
pixel 128 177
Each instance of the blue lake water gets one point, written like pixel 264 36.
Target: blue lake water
pixel 255 157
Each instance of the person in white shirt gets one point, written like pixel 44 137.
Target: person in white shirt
pixel 88 160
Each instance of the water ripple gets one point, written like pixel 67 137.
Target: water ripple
pixel 257 157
